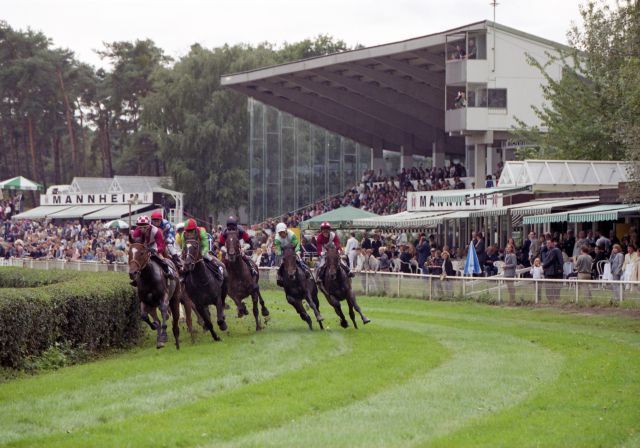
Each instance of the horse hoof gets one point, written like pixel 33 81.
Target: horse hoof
pixel 366 320
pixel 265 312
pixel 321 326
pixel 217 338
pixel 159 345
pixel 155 326
pixel 344 324
pixel 223 325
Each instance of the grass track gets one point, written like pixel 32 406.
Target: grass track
pixel 422 374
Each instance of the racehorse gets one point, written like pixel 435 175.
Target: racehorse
pixel 155 291
pixel 241 283
pixel 336 286
pixel 297 287
pixel 203 287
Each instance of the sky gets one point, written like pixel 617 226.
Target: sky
pixel 174 25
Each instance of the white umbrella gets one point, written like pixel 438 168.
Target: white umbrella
pixel 118 224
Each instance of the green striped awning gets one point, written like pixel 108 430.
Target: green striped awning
pixel 546 218
pixel 608 212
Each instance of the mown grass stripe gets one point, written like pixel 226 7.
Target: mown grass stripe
pixel 487 372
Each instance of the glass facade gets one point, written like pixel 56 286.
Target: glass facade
pixel 293 163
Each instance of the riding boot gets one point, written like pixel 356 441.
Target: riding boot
pixel 347 271
pixel 254 272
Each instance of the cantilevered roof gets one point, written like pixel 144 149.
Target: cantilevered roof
pixel 387 96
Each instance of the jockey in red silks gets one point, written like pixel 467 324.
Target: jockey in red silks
pixel 232 225
pixel 152 238
pixel 326 236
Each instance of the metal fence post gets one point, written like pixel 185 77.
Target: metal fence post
pixel 621 285
pixel 366 283
pixel 537 290
pixel 464 287
pixel 430 288
pixel 577 288
pixel 499 291
pixel 398 292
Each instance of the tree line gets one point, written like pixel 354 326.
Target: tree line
pixel 146 115
pixel 151 115
pixel 593 111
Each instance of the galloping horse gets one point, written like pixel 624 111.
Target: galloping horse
pixel 241 282
pixel 336 286
pixel 298 287
pixel 155 290
pixel 204 287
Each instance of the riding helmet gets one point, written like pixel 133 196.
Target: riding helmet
pixel 325 225
pixel 281 227
pixel 156 215
pixel 232 221
pixel 191 224
pixel 143 221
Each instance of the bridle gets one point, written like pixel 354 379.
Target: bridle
pixel 133 259
pixel 189 261
pixel 232 244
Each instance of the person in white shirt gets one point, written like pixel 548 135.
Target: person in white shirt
pixel 351 249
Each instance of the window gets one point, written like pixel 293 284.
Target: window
pixel 498 98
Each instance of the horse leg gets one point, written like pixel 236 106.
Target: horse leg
pixel 335 303
pixel 144 316
pixel 220 315
pixel 263 307
pixel 352 314
pixel 297 305
pixel 203 310
pixel 161 340
pixel 315 307
pixel 365 319
pixel 256 312
pixel 188 309
pixel 175 318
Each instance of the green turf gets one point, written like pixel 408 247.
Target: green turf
pixel 421 374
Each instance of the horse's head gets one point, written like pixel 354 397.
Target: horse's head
pixel 332 260
pixel 191 254
pixel 232 244
pixel 139 256
pixel 289 260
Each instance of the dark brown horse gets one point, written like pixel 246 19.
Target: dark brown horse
pixel 336 286
pixel 204 287
pixel 155 291
pixel 241 283
pixel 297 287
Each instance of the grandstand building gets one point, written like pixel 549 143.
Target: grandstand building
pixel 317 124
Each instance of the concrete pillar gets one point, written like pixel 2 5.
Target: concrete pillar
pixel 492 160
pixel 377 161
pixel 480 164
pixel 437 154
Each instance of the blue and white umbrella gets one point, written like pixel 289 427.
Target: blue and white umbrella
pixel 472 265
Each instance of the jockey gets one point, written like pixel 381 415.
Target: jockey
pixel 179 233
pixel 193 232
pixel 169 236
pixel 153 239
pixel 232 224
pixel 283 238
pixel 327 236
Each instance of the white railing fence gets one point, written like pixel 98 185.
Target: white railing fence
pixel 427 287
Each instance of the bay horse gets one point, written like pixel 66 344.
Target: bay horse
pixel 336 286
pixel 204 288
pixel 297 287
pixel 241 283
pixel 155 291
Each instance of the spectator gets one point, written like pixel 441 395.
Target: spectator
pixel 510 265
pixel 584 264
pixel 552 268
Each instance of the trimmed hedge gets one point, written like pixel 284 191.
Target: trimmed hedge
pixel 41 308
